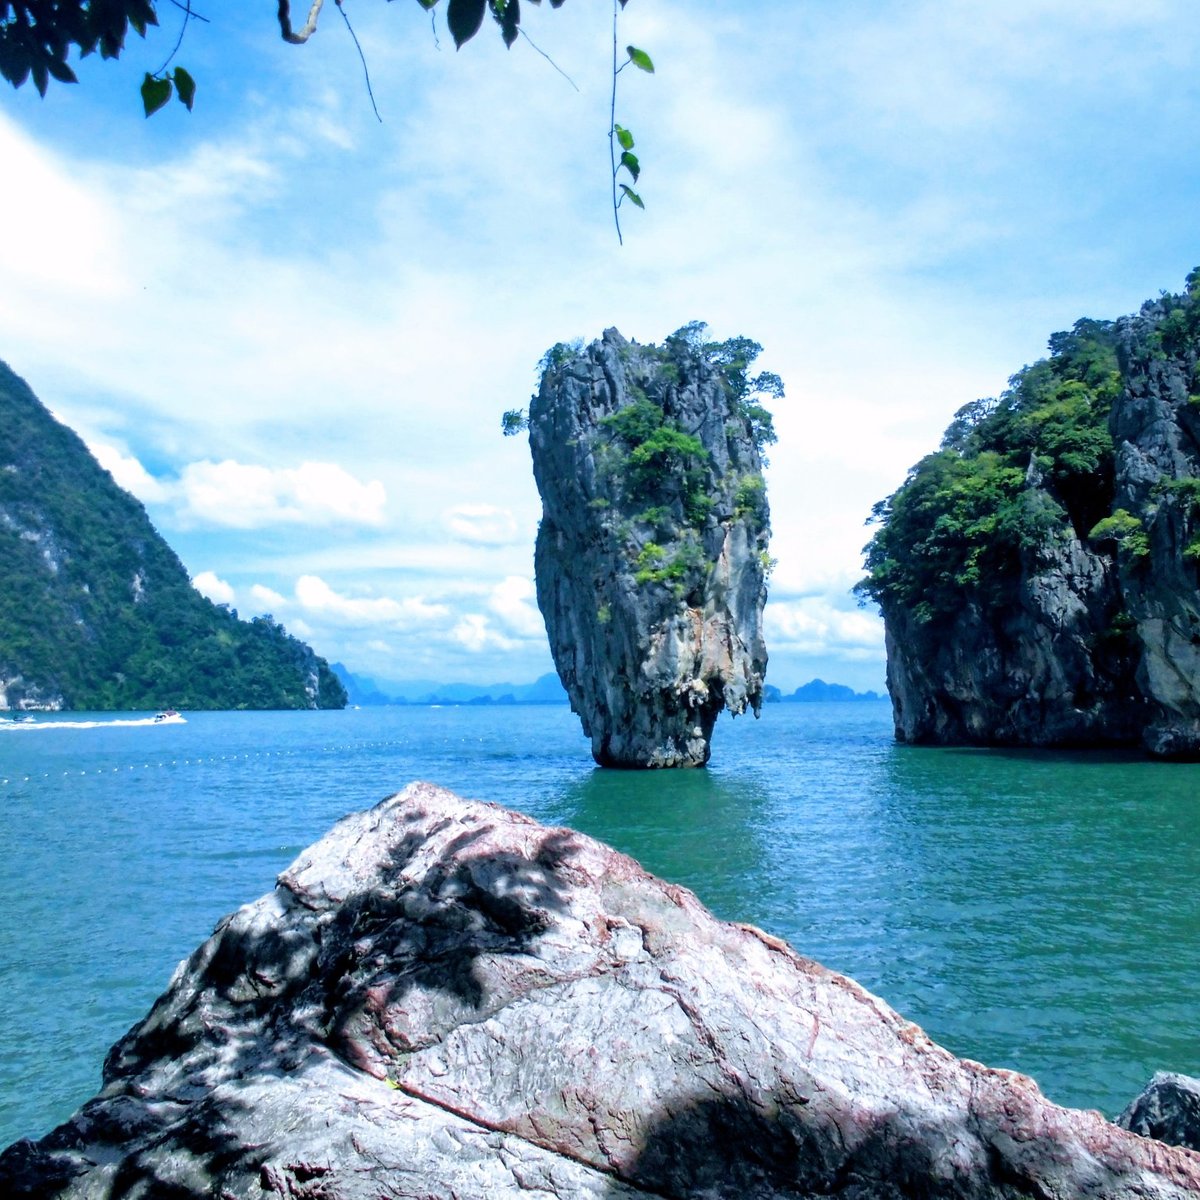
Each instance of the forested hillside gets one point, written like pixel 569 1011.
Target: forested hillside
pixel 96 610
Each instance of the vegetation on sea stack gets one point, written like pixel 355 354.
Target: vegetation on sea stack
pixel 1039 575
pixel 1012 474
pixel 655 478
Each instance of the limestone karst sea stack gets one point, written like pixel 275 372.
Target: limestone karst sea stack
pixel 652 551
pixel 1039 575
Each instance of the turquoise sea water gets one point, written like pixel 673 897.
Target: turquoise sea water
pixel 1032 910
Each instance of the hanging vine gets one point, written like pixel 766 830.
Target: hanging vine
pixel 619 135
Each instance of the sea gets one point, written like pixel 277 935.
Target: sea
pixel 1030 909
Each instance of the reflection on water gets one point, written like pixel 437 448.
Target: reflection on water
pixel 1030 909
pixel 1052 894
pixel 693 827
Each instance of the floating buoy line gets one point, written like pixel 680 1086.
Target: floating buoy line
pixel 155 764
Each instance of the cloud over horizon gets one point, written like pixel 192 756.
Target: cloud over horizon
pixel 291 330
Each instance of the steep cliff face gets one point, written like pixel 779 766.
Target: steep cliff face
pixel 97 611
pixel 651 556
pixel 1038 575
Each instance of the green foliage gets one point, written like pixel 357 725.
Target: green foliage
pixel 640 59
pixel 158 89
pixel 966 519
pixel 664 486
pixel 36 36
pixel 514 421
pixel 620 139
pixel 1126 530
pixel 655 564
pixel 558 354
pixel 1185 490
pixel 95 605
pixel 733 358
pixel 750 499
pixel 661 463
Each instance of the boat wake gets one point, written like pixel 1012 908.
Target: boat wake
pixel 27 724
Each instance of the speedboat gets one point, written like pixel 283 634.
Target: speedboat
pixel 168 716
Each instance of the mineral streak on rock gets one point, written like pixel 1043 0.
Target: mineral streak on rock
pixel 651 556
pixel 444 999
pixel 1039 577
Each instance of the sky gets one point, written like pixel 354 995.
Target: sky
pixel 290 328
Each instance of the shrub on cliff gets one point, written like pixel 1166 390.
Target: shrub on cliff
pixel 959 524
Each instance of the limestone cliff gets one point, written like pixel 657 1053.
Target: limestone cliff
pixel 1038 576
pixel 444 999
pixel 651 556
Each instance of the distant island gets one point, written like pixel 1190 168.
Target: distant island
pixel 546 689
pixel 817 691
pixel 96 610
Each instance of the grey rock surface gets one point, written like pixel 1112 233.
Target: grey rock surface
pixel 445 999
pixel 1084 646
pixel 1167 1108
pixel 652 588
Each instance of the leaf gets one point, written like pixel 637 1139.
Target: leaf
pixel 633 197
pixel 60 71
pixel 155 93
pixel 640 59
pixel 508 13
pixel 464 17
pixel 185 85
pixel 624 137
pixel 427 4
pixel 631 164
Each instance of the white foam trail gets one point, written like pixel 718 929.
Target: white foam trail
pixel 176 720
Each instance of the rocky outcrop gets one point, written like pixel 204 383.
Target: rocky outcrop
pixel 441 998
pixel 651 556
pixel 1066 607
pixel 1035 665
pixel 1167 1108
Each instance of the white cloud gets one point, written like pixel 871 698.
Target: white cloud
pixel 514 601
pixel 482 523
pixel 818 626
pixel 129 473
pixel 474 633
pixel 316 597
pixel 62 233
pixel 246 496
pixel 267 599
pixel 207 583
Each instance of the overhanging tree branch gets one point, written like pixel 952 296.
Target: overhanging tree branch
pixel 300 36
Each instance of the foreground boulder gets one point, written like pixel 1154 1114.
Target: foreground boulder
pixel 1167 1108
pixel 1039 575
pixel 651 556
pixel 442 998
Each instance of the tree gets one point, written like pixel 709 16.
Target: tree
pixel 37 36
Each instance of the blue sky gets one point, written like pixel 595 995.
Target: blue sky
pixel 291 329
